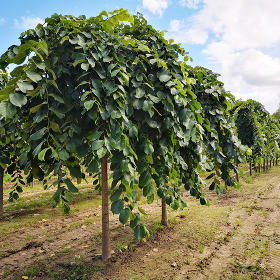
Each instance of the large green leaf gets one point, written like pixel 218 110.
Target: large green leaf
pixel 7 110
pixel 124 215
pixel 139 232
pixel 24 86
pixel 38 134
pixel 18 99
pixel 35 77
pixel 41 155
pixel 71 187
pixel 117 206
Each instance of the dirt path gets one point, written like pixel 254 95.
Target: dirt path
pixel 237 237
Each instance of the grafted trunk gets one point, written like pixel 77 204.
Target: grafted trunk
pixel 276 160
pixel 106 252
pixel 250 166
pixel 1 191
pixel 270 163
pixel 259 168
pixel 264 165
pixel 164 219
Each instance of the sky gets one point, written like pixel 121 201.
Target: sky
pixel 239 39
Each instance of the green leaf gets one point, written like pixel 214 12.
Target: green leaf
pixel 57 98
pixel 117 206
pixel 75 63
pixel 148 190
pixel 124 215
pixel 24 86
pixel 142 211
pixel 75 171
pixel 164 76
pixel 71 187
pixel 85 66
pixel 89 104
pixel 93 167
pixel 140 93
pixel 18 99
pixel 35 108
pixel 7 110
pixel 148 148
pixel 35 77
pixel 96 145
pixel 91 62
pixel 63 154
pixel 38 134
pixel 41 155
pixel 116 195
pixel 140 232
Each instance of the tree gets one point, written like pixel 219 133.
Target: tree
pixel 112 88
pixel 257 129
pixel 276 114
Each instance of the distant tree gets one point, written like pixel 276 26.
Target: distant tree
pixel 276 114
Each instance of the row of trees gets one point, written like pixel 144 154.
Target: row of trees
pixel 258 130
pixel 112 89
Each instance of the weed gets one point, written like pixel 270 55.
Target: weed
pixel 6 271
pixel 200 248
pixel 28 237
pixel 156 227
pixel 121 246
pixel 238 223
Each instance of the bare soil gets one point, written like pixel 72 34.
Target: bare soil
pixel 237 237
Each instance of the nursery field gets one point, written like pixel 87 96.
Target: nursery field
pixel 236 237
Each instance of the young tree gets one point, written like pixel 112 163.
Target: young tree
pixel 3 143
pixel 112 89
pixel 258 130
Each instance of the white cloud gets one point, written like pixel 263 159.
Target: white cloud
pixel 2 20
pixel 238 38
pixel 180 32
pixel 155 6
pixel 27 22
pixel 176 25
pixel 192 4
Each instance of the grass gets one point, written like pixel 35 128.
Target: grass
pixel 78 270
pixel 191 230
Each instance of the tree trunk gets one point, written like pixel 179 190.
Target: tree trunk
pixel 273 162
pixel 1 191
pixel 106 252
pixel 270 163
pixel 250 166
pixel 259 168
pixel 276 160
pixel 164 219
pixel 267 164
pixel 237 177
pixel 264 165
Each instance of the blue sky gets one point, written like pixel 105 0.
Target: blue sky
pixel 240 41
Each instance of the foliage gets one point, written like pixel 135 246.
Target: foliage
pixel 276 114
pixel 257 129
pixel 114 85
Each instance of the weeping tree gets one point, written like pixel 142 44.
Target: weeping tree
pixel 112 89
pixel 223 149
pixel 258 130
